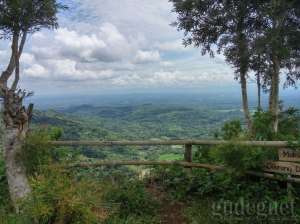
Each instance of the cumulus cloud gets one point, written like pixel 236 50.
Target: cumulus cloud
pixel 36 71
pixel 175 46
pixel 106 44
pixel 65 70
pixel 126 45
pixel 146 57
pixel 27 58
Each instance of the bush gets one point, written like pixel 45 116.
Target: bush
pixel 262 126
pixel 133 199
pixel 36 152
pixel 288 126
pixel 174 179
pixel 241 158
pixel 58 198
pixel 231 130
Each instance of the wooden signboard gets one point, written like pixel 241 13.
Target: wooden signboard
pixel 283 168
pixel 289 155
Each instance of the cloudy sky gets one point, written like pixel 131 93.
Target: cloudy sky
pixel 114 45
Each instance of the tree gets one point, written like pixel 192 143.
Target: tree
pixel 278 41
pixel 270 28
pixel 18 18
pixel 226 24
pixel 258 65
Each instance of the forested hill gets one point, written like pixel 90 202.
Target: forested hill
pixel 146 121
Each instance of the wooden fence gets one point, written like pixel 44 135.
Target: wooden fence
pixel 271 173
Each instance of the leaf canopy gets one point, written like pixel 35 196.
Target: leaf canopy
pixel 27 16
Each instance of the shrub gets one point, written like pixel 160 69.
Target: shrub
pixel 241 158
pixel 231 130
pixel 288 126
pixel 133 199
pixel 36 151
pixel 262 126
pixel 58 198
pixel 174 179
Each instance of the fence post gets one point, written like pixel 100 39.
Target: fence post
pixel 188 154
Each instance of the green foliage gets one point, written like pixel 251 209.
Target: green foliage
pixel 174 179
pixel 54 133
pixel 262 125
pixel 36 152
pixel 241 158
pixel 133 199
pixel 132 220
pixel 288 127
pixel 58 198
pixel 27 15
pixel 198 184
pixel 232 130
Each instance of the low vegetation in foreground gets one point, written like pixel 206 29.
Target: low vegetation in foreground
pixel 152 195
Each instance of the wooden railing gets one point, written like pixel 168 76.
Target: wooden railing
pixel 174 142
pixel 188 159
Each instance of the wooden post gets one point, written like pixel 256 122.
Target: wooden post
pixel 188 154
pixel 289 188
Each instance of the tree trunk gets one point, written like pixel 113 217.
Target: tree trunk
pixel 274 93
pixel 15 171
pixel 245 101
pixel 258 92
pixel 16 120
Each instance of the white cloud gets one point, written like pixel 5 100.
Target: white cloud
pixel 175 46
pixel 36 71
pixel 124 43
pixel 147 57
pixel 106 44
pixel 167 63
pixel 67 70
pixel 151 18
pixel 27 58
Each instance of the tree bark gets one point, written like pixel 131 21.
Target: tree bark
pixel 258 82
pixel 245 101
pixel 274 93
pixel 16 120
pixel 19 187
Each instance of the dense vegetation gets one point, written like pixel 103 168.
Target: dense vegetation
pixel 147 194
pixel 38 185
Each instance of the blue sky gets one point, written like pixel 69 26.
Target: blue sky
pixel 116 45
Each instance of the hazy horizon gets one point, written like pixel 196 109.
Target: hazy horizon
pixel 209 96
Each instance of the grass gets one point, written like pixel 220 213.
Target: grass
pixel 170 157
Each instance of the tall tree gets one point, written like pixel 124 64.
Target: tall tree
pixel 18 18
pixel 258 65
pixel 278 40
pixel 227 24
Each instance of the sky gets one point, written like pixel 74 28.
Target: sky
pixel 115 45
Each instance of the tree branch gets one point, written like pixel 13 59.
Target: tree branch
pixel 12 63
pixel 17 65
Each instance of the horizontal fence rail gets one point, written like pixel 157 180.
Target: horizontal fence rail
pixel 276 144
pixel 188 155
pixel 146 163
